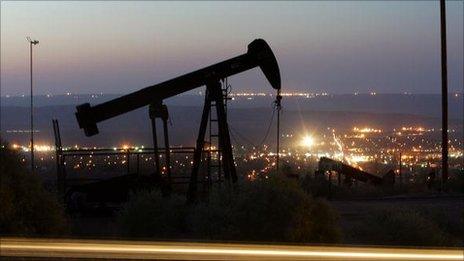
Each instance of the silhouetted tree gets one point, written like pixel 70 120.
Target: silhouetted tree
pixel 26 207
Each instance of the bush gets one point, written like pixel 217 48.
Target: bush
pixel 456 181
pixel 149 214
pixel 450 221
pixel 401 226
pixel 26 207
pixel 269 210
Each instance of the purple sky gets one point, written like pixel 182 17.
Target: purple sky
pixel 338 47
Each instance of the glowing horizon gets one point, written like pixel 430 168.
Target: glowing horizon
pixel 339 47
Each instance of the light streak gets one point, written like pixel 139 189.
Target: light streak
pixel 208 251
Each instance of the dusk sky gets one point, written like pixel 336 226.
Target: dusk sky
pixel 338 47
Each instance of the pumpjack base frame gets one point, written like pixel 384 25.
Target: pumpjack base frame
pixel 213 95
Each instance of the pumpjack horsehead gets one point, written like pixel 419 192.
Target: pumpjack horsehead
pixel 259 54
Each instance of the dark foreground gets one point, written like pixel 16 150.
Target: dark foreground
pixel 353 214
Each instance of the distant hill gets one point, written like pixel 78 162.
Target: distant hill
pixel 419 104
pixel 134 127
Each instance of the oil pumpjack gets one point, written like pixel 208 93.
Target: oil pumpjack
pixel 259 54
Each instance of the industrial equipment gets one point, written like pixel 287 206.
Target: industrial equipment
pixel 351 173
pixel 259 54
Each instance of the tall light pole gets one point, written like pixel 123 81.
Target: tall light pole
pixel 31 43
pixel 444 96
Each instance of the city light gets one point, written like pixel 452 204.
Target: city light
pixel 359 158
pixel 307 141
pixel 37 147
pixel 366 130
pixel 356 146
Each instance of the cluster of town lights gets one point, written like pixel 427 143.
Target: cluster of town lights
pixel 366 130
pixel 37 147
pixel 354 146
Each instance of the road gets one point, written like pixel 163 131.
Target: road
pixel 95 249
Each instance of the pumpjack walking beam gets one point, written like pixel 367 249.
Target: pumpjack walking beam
pixel 259 54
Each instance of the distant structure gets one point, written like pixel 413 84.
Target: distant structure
pixel 31 43
pixel 350 173
pixel 259 54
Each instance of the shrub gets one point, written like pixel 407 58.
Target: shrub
pixel 26 207
pixel 268 210
pixel 149 214
pixel 401 226
pixel 450 221
pixel 456 181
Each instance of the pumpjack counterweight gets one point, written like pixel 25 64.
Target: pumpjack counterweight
pixel 259 54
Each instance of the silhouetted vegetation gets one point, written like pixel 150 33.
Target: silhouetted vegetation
pixel 407 227
pixel 26 207
pixel 265 210
pixel 456 181
pixel 149 214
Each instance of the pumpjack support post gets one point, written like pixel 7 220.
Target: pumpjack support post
pixel 159 110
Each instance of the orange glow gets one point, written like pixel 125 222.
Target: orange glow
pixel 366 130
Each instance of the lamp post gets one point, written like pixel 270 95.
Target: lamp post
pixel 31 43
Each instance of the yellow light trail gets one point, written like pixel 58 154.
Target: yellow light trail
pixel 59 248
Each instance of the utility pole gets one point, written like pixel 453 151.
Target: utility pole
pixel 444 96
pixel 278 107
pixel 32 42
pixel 400 172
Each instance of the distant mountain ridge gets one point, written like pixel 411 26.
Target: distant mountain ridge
pixel 134 127
pixel 419 104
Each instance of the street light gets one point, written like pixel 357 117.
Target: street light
pixel 32 42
